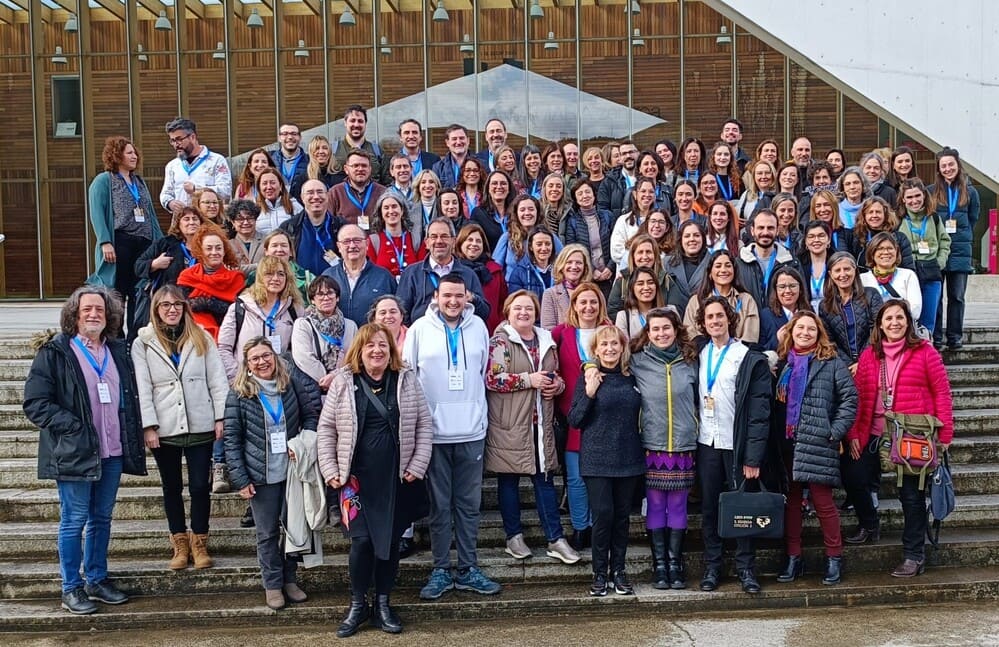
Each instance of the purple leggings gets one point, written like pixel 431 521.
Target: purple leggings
pixel 666 509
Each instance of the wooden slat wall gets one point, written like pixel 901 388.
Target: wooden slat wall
pixel 603 54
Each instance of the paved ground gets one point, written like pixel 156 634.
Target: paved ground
pixel 952 625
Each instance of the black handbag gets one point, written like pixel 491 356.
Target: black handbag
pixel 751 514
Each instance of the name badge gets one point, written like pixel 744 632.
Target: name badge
pixel 138 214
pixel 104 392
pixel 709 407
pixel 279 441
pixel 950 226
pixel 330 257
pixel 455 380
pixel 275 341
pixel 922 247
pixel 362 222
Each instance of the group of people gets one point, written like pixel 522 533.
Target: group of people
pixel 306 331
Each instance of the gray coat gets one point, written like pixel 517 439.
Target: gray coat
pixel 669 393
pixel 827 412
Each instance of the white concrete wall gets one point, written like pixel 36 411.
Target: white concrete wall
pixel 932 65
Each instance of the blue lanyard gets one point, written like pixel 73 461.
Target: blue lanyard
pixel 133 188
pixel 641 319
pixel 787 242
pixel 453 337
pixel 417 164
pixel 456 169
pixel 270 320
pixel 492 164
pixel 471 201
pixel 769 268
pixel 400 251
pixel 332 341
pixel 724 186
pixel 697 175
pixel 190 169
pixel 714 368
pixel 629 180
pixel 362 205
pixel 288 177
pixel 922 230
pixel 583 355
pixel 100 370
pixel 952 195
pixel 501 220
pixel 436 280
pixel 275 413
pixel 175 358
pixel 738 301
pixel 324 242
pixel 535 190
pixel 835 238
pixel 426 216
pixel 541 278
pixel 188 257
pixel 408 193
pixel 817 285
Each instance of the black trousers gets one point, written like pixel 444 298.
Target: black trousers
pixel 857 478
pixel 610 506
pixel 914 518
pixel 364 567
pixel 127 250
pixel 199 466
pixel 714 470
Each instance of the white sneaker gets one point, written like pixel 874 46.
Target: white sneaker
pixel 516 548
pixel 562 551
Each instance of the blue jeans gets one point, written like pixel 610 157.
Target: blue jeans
pixel 579 499
pixel 931 302
pixel 956 283
pixel 218 452
pixel 87 504
pixel 508 491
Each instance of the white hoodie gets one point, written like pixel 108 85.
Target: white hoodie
pixel 460 416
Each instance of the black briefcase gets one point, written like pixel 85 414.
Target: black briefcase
pixel 751 514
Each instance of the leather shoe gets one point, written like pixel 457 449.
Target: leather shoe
pixel 384 617
pixel 246 521
pixel 748 580
pixel 863 536
pixel 834 570
pixel 406 547
pixel 293 593
pixel 794 569
pixel 77 602
pixel 357 614
pixel 909 568
pixel 710 580
pixel 105 592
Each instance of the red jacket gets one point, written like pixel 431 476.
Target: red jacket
pixel 495 292
pixel 382 252
pixel 920 387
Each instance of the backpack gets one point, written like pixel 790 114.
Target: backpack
pixel 241 315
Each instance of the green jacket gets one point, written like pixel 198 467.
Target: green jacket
pixel 935 235
pixel 102 220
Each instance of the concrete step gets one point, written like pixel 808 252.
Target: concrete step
pixel 15 369
pixel 975 397
pixel 974 478
pixel 40 579
pixel 973 374
pixel 18 443
pixel 11 391
pixel 15 349
pixel 23 473
pixel 21 538
pixel 975 449
pixel 981 335
pixel 972 354
pixel 232 610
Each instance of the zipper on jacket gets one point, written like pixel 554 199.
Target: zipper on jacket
pixel 669 407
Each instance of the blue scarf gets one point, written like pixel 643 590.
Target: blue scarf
pixel 791 388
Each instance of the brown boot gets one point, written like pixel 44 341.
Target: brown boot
pixel 181 551
pixel 199 551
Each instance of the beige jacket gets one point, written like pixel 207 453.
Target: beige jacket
pixel 338 427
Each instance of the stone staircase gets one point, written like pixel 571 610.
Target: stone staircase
pixel 964 568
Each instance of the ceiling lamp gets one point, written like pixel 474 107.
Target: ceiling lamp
pixel 347 18
pixel 219 54
pixel 635 7
pixel 724 38
pixel 301 52
pixel 163 23
pixel 58 57
pixel 440 13
pixel 71 24
pixel 637 40
pixel 536 10
pixel 385 49
pixel 550 44
pixel 466 46
pixel 141 53
pixel 254 21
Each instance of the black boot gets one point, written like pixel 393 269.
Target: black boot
pixel 834 570
pixel 677 573
pixel 657 542
pixel 794 569
pixel 357 614
pixel 384 617
pixel 580 539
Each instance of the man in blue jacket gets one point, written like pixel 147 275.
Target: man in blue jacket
pixel 361 281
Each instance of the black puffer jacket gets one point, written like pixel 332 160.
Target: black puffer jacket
pixel 576 231
pixel 863 314
pixel 828 410
pixel 245 438
pixel 56 400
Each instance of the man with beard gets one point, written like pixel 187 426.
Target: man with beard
pixel 355 121
pixel 616 187
pixel 758 260
pixel 354 199
pixel 411 136
pixel 194 168
pixel 495 139
pixel 291 160
pixel 731 134
pixel 448 168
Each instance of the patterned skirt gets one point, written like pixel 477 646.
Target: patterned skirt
pixel 669 471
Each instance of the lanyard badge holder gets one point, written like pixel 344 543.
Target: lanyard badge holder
pixel 278 434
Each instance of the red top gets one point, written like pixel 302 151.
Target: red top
pixel 223 284
pixel 384 251
pixel 921 387
pixel 495 293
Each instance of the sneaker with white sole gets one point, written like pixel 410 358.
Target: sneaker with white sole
pixel 562 551
pixel 220 479
pixel 517 548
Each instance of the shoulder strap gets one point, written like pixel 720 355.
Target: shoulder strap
pixel 892 291
pixel 376 242
pixel 240 316
pixel 393 422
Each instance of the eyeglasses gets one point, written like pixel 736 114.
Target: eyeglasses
pixel 265 357
pixel 171 305
pixel 347 242
pixel 816 237
pixel 656 222
pixel 787 287
pixel 244 219
pixel 878 250
pixel 177 140
pixel 210 203
pixel 324 295
pixel 443 237
pixel 289 134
